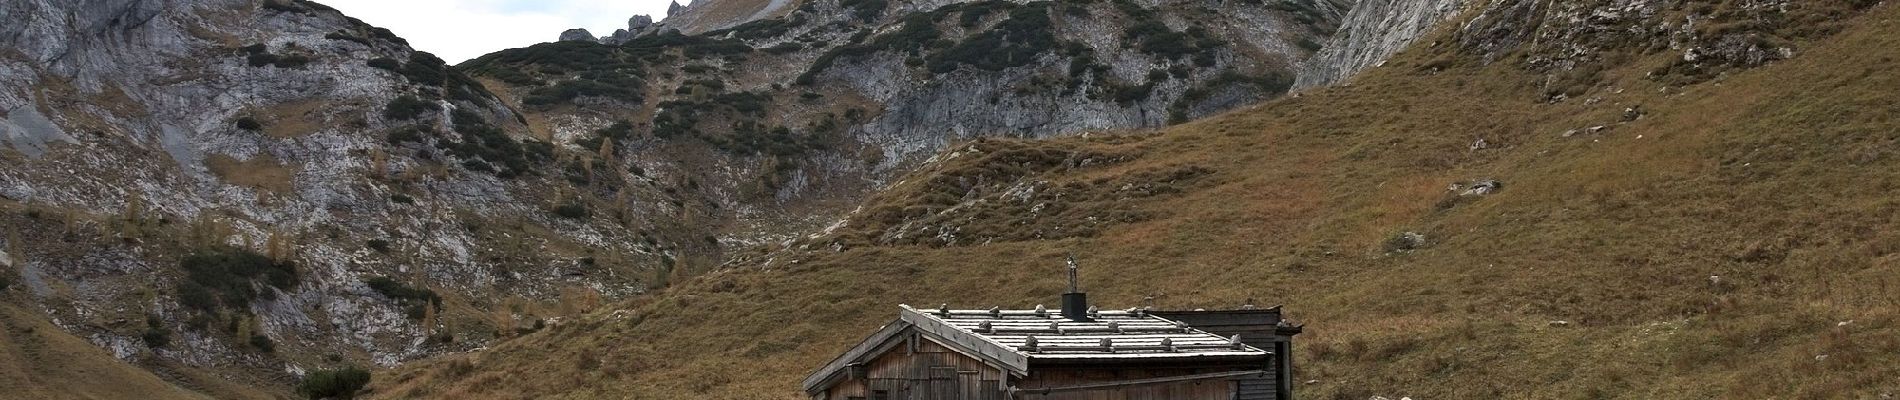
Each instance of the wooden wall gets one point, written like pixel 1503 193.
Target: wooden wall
pixel 924 370
pixel 920 369
pixel 1211 389
pixel 1256 328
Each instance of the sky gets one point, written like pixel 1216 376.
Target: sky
pixel 458 30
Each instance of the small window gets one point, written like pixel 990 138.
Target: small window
pixel 880 395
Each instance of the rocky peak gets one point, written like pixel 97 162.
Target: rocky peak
pixel 636 26
pixel 578 35
pixel 674 9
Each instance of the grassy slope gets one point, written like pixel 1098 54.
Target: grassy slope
pixel 1776 180
pixel 39 361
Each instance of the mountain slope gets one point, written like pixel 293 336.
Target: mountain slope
pixel 1666 226
pixel 251 190
pixel 284 188
pixel 787 119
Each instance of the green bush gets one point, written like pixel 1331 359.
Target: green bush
pixel 334 384
pixel 263 343
pixel 397 290
pixel 749 103
pixel 1151 36
pixel 379 245
pixel 249 124
pixel 258 55
pixel 347 37
pixel 1270 84
pixel 484 145
pixel 517 78
pixel 407 107
pixel 1309 44
pixel 156 336
pixel 221 277
pixel 409 134
pixel 605 84
pixel 281 6
pixel 416 299
pixel 478 165
pixel 918 35
pixel 751 138
pixel 425 69
pixel 386 63
pixel 784 48
pixel 400 198
pixel 1015 42
pixel 571 210
pixel 1126 95
pixel 261 59
pixel 386 34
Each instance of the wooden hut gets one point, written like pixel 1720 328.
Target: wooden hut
pixel 1076 354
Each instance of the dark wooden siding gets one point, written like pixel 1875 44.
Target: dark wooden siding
pixel 1211 389
pixel 1256 328
pixel 924 370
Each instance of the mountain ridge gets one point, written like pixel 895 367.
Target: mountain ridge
pixel 233 194
pixel 1648 235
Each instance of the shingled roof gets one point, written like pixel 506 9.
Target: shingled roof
pixel 1014 339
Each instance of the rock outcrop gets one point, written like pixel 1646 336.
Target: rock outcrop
pixel 1371 33
pixel 578 35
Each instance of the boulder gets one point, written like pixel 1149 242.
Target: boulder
pixel 619 36
pixel 1484 187
pixel 578 35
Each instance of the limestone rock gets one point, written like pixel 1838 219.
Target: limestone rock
pixel 1372 32
pixel 620 36
pixel 578 35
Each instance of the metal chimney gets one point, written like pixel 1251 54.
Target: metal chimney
pixel 1075 304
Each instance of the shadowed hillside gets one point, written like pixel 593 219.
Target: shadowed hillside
pixel 1649 226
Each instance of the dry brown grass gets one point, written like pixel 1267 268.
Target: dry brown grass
pixel 40 361
pixel 261 172
pixel 296 119
pixel 1777 180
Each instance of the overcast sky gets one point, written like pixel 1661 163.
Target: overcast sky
pixel 458 30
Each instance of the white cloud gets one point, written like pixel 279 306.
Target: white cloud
pixel 458 30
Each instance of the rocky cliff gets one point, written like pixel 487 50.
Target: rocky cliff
pixel 259 188
pixel 1371 33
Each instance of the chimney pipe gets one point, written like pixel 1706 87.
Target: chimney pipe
pixel 1075 304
